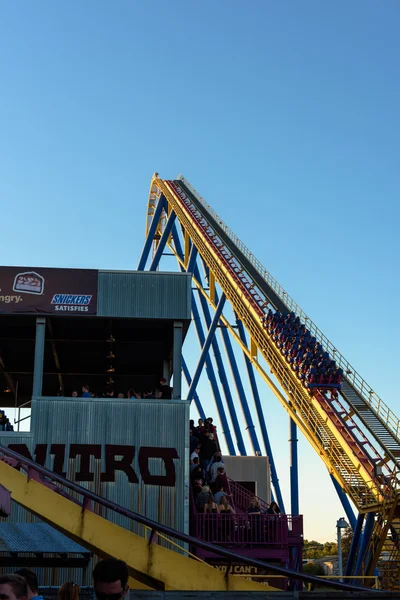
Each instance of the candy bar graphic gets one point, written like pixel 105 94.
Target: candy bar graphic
pixel 29 283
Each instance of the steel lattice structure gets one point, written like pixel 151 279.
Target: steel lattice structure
pixel 357 436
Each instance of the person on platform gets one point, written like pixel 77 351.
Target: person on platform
pixel 202 498
pixel 224 506
pixel 195 463
pixel 13 587
pixel 273 509
pixel 110 579
pixel 194 442
pixel 74 394
pixel 86 391
pixel 195 453
pixel 208 449
pixel 32 583
pixel 221 480
pixel 199 429
pixel 69 591
pixel 219 494
pixel 215 465
pixel 211 507
pixel 254 507
pixel 164 390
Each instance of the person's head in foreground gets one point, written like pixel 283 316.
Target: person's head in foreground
pixel 31 581
pixel 110 579
pixel 13 587
pixel 69 591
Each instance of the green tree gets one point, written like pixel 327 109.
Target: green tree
pixel 347 538
pixel 313 569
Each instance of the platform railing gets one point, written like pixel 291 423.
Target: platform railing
pixel 243 530
pixel 351 375
pixel 242 497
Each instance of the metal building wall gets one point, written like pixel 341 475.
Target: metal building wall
pixel 144 295
pixel 251 468
pixel 154 423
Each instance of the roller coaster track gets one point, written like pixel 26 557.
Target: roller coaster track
pixel 356 436
pixel 73 510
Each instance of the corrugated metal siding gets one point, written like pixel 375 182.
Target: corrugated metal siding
pixel 36 537
pixel 144 295
pixel 55 576
pixel 136 423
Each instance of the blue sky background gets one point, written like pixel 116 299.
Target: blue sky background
pixel 284 115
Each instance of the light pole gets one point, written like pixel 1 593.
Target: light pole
pixel 341 524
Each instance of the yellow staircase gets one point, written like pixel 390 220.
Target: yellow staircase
pixel 150 564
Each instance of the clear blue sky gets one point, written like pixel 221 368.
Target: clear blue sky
pixel 284 115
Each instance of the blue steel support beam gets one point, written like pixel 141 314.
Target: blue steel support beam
pixel 345 503
pixel 261 419
pixel 236 376
pixel 206 347
pixel 192 259
pixel 209 365
pixel 240 392
pixel 195 396
pixel 213 381
pixel 222 374
pixel 192 267
pixel 294 469
pixel 354 544
pixel 163 241
pixel 150 236
pixel 366 536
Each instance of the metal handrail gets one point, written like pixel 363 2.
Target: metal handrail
pixel 19 413
pixel 158 527
pixel 359 384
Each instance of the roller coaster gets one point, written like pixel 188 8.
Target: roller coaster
pixel 354 432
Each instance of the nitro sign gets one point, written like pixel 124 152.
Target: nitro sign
pixel 116 458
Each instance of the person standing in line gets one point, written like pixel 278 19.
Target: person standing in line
pixel 69 591
pixel 32 583
pixel 13 587
pixel 86 391
pixel 110 579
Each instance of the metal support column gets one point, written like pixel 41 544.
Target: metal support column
pixel 261 419
pixel 192 260
pixel 195 396
pixel 212 379
pixel 206 347
pixel 354 544
pixel 223 377
pixel 345 503
pixel 235 374
pixel 163 241
pixel 39 356
pixel 150 235
pixel 177 361
pixel 209 365
pixel 294 469
pixel 366 536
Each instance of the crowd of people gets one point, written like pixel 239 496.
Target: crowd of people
pixel 208 478
pixel 5 424
pixel 314 366
pixel 110 582
pixel 162 392
pixel 209 481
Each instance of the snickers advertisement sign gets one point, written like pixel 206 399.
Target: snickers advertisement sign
pixel 48 291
